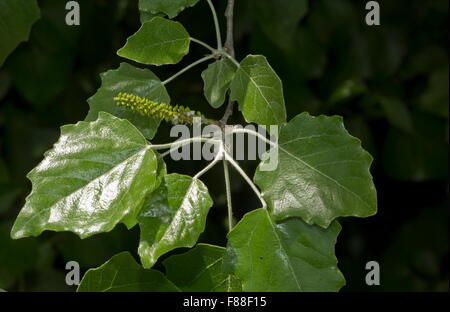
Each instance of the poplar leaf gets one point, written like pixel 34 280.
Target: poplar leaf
pixel 122 273
pixel 286 256
pixel 158 42
pixel 173 216
pixel 200 270
pixel 97 175
pixel 322 173
pixel 217 79
pixel 259 92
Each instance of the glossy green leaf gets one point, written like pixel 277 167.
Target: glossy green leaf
pixel 97 175
pixel 123 274
pixel 159 41
pixel 127 78
pixel 322 173
pixel 288 256
pixel 259 92
pixel 171 8
pixel 173 216
pixel 217 79
pixel 200 269
pixel 279 19
pixel 16 19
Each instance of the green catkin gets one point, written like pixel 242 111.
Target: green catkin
pixel 176 114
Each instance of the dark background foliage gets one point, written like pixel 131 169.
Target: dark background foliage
pixel 390 83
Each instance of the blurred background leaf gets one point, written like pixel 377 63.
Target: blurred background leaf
pixel 17 16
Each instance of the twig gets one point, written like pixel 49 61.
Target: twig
pixel 256 134
pixel 216 24
pixel 246 178
pixel 218 158
pixel 228 189
pixel 229 14
pixel 178 144
pixel 229 48
pixel 214 51
pixel 204 59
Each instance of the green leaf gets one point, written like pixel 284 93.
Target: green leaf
pixel 259 92
pixel 279 19
pixel 127 78
pixel 288 256
pixel 200 270
pixel 123 274
pixel 217 79
pixel 159 41
pixel 96 175
pixel 173 216
pixel 322 173
pixel 17 17
pixel 171 8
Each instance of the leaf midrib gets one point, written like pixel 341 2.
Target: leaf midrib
pixel 45 209
pixel 179 211
pixel 324 175
pixel 259 90
pixel 284 251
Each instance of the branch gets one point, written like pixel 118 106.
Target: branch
pixel 229 43
pixel 229 48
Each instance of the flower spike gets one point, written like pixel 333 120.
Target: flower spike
pixel 176 114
